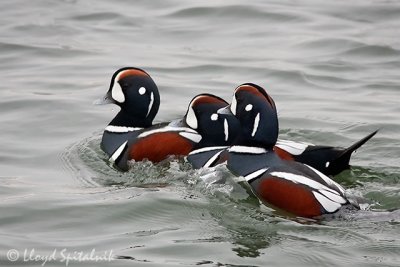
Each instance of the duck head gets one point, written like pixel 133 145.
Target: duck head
pixel 215 129
pixel 135 92
pixel 257 114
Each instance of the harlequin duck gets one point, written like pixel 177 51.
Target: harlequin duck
pixel 215 129
pixel 201 126
pixel 326 159
pixel 135 92
pixel 286 185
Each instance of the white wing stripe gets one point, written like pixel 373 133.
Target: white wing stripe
pixel 211 160
pixel 327 204
pixel 300 179
pixel 118 152
pixel 195 137
pixel 255 174
pixel 294 148
pixel 205 149
pixel 327 179
pixel 333 197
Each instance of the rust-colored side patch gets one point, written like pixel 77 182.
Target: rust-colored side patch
pixel 283 154
pixel 159 146
pixel 289 196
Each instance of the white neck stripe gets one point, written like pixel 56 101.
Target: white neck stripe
pixel 121 129
pixel 167 129
pixel 247 149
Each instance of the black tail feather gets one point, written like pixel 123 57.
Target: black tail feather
pixel 343 160
pixel 359 143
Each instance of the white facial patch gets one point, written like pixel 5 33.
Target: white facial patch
pixel 151 102
pixel 142 90
pixel 249 107
pixel 256 123
pixel 191 119
pixel 226 129
pixel 117 94
pixel 214 117
pixel 234 105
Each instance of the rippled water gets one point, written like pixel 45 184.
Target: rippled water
pixel 332 68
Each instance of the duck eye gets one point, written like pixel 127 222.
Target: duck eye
pixel 214 117
pixel 142 90
pixel 249 107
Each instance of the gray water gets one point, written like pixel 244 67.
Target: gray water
pixel 331 66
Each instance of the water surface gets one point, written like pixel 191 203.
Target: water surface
pixel 332 68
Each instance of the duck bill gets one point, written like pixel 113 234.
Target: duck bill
pixel 225 110
pixel 107 99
